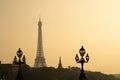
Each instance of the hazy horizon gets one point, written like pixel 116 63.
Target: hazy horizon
pixel 66 26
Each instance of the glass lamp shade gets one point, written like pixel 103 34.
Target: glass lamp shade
pixel 82 51
pixel 87 57
pixel 15 59
pixel 19 53
pixel 24 59
pixel 76 58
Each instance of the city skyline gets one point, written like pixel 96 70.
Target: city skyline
pixel 66 26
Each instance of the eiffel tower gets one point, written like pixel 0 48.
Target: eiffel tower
pixel 39 60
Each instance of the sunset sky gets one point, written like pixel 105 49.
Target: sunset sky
pixel 66 26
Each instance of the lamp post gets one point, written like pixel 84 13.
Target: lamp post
pixel 82 61
pixel 19 62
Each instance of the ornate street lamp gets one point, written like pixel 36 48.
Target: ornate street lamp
pixel 82 61
pixel 19 62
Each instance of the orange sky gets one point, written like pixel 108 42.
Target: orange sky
pixel 67 25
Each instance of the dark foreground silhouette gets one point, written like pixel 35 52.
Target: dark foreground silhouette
pixel 49 73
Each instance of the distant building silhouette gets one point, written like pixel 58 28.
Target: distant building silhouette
pixel 39 60
pixel 60 64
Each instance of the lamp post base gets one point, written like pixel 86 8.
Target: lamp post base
pixel 82 75
pixel 19 76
